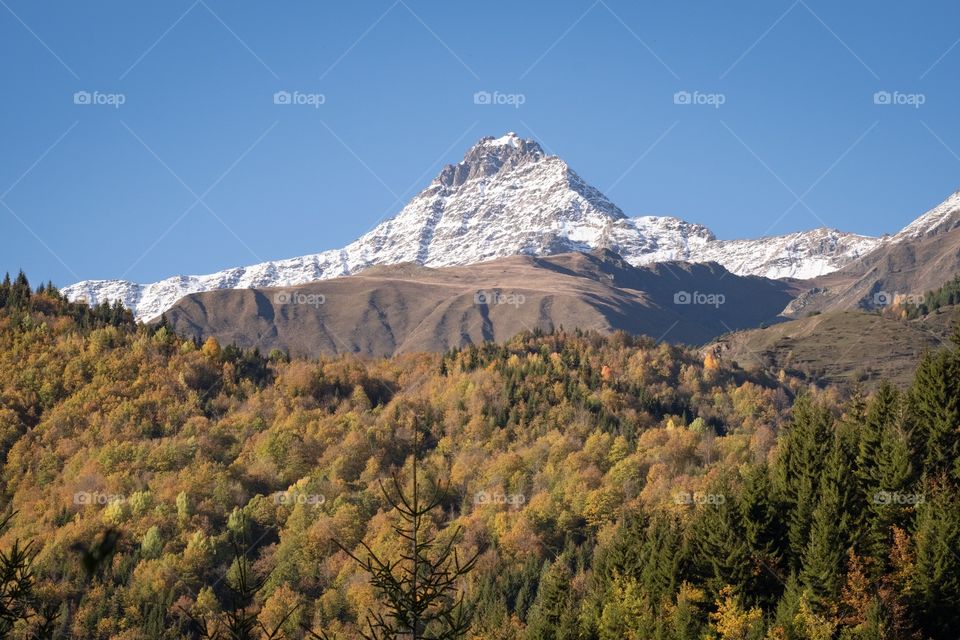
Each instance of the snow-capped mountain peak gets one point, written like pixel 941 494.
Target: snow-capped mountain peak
pixel 511 139
pixel 506 197
pixel 490 156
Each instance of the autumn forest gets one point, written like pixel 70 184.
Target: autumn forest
pixel 562 485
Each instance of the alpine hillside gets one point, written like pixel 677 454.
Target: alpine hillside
pixel 410 308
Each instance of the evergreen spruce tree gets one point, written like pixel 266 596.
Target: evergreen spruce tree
pixel 491 608
pixel 5 291
pixel 646 558
pixel 21 606
pixel 661 558
pixel 686 616
pixel 722 555
pixel 622 555
pixel 881 413
pixel 19 295
pixel 936 579
pixel 765 531
pixel 619 557
pixel 240 620
pixel 529 583
pixel 890 501
pixel 831 529
pixel 784 622
pixel 420 590
pixel 545 620
pixel 797 471
pixel 935 405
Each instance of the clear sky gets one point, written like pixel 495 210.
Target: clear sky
pixel 198 169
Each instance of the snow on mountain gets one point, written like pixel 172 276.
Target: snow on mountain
pixel 943 217
pixel 506 197
pixel 801 255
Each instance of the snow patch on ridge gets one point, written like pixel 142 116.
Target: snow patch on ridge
pixel 942 215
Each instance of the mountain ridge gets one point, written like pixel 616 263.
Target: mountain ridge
pixel 508 197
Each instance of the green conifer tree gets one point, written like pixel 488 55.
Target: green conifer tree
pixel 802 450
pixel 882 412
pixel 722 555
pixel 765 531
pixel 545 620
pixel 936 579
pixel 935 405
pixel 831 529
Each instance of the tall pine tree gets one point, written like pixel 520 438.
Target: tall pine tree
pixel 935 405
pixel 936 579
pixel 765 531
pixel 797 471
pixel 831 529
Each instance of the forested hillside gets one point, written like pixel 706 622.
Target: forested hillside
pixel 610 487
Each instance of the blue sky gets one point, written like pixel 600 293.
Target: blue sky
pixel 198 169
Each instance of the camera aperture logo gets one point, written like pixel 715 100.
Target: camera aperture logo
pixel 897 498
pixel 99 99
pixel 296 297
pixel 887 298
pixel 492 298
pixel 497 98
pixel 697 497
pixel 287 499
pixel 711 299
pixel 899 99
pixel 97 498
pixel 699 98
pixel 299 98
pixel 512 499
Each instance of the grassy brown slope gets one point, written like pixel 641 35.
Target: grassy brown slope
pixel 840 346
pixel 407 308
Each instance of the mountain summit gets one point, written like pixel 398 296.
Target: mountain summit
pixel 507 197
pixel 490 156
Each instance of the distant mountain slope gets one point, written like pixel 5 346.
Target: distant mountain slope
pixel 840 346
pixel 402 308
pixel 918 259
pixel 507 197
